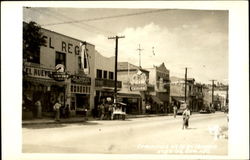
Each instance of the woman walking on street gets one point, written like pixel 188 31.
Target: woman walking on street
pixel 186 116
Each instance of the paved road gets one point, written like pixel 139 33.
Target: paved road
pixel 152 135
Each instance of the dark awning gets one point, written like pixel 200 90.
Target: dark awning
pixel 128 95
pixel 179 99
pixel 157 100
pixel 43 81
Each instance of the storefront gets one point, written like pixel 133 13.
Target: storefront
pixel 80 94
pixel 39 86
pixel 133 102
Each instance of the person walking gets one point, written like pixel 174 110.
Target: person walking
pixel 175 110
pixel 38 108
pixel 186 116
pixel 56 108
pixel 102 110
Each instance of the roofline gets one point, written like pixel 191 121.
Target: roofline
pixel 64 35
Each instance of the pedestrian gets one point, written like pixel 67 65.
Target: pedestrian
pixel 175 110
pixel 85 110
pixel 56 108
pixel 102 110
pixel 186 116
pixel 38 108
pixel 110 111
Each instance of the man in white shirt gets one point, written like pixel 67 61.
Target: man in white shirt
pixel 186 116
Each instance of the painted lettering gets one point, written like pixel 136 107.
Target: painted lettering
pixel 69 47
pixel 64 46
pixel 77 51
pixel 50 44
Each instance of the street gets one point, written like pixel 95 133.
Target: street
pixel 151 135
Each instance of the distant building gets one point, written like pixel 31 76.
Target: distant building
pixel 135 87
pixel 194 94
pixel 160 96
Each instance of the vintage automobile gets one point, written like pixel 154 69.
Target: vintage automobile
pixel 119 111
pixel 207 110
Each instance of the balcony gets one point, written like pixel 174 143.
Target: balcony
pixel 107 83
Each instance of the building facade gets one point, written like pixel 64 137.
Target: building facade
pixel 63 71
pixel 135 87
pixel 160 97
pixel 194 93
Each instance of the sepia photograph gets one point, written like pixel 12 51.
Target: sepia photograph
pixel 123 82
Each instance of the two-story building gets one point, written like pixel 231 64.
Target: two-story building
pixel 135 87
pixel 160 96
pixel 67 70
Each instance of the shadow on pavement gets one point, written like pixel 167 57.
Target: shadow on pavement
pixel 85 123
pixel 43 126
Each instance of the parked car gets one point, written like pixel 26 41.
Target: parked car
pixel 207 110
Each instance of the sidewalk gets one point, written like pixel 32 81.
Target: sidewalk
pixel 81 119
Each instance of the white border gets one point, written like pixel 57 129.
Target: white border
pixel 11 62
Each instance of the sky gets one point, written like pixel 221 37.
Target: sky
pixel 196 39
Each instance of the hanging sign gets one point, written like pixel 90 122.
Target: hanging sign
pixel 59 74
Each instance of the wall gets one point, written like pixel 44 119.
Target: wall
pixel 104 63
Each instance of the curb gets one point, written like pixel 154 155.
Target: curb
pixel 63 121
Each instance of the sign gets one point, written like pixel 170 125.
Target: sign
pixel 81 80
pixel 37 72
pixel 138 87
pixel 59 74
pixel 138 82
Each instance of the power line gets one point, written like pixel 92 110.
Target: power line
pixel 107 17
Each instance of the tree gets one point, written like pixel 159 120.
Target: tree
pixel 32 41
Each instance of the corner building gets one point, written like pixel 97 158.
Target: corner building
pixel 76 91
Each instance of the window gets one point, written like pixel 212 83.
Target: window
pixel 105 74
pixel 111 75
pixel 60 58
pixel 79 62
pixel 98 73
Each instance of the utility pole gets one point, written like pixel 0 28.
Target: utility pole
pixel 139 49
pixel 213 91
pixel 116 56
pixel 185 84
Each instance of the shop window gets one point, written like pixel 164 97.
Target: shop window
pixel 111 75
pixel 98 73
pixel 72 89
pixel 60 58
pixel 83 89
pixel 105 74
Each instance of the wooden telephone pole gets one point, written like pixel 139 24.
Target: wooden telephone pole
pixel 116 56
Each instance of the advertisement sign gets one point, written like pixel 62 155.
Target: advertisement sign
pixel 60 74
pixel 138 82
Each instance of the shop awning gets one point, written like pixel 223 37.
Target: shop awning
pixel 157 100
pixel 128 95
pixel 43 81
pixel 179 99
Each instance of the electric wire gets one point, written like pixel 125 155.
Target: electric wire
pixel 107 17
